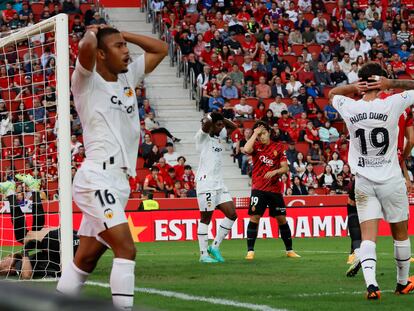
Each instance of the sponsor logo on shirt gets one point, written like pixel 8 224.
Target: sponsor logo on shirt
pixel 373 162
pixel 266 160
pixel 120 105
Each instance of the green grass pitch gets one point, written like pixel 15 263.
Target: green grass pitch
pixel 314 282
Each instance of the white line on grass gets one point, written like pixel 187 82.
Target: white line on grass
pixel 337 293
pixel 216 301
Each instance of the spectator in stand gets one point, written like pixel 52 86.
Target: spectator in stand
pixel 75 144
pixel 336 163
pixel 215 102
pixel 305 74
pixel 294 131
pixel 248 90
pixel 154 127
pixel 97 19
pixel 260 111
pixel 169 182
pixel 263 90
pixel 356 51
pixel 296 108
pixel 298 188
pixel 328 134
pixel 8 13
pixel 140 97
pixel 237 76
pixel 277 106
pixel 299 165
pixel 153 157
pixel 293 86
pixel 311 134
pixel 241 157
pixel 315 154
pixel 346 64
pixel 322 36
pixel 229 111
pixel 269 118
pixel 145 109
pixel 38 113
pixel 233 43
pixel 78 158
pixel 390 72
pixel 327 178
pixel 309 178
pixel 284 121
pixel 229 91
pixel 179 168
pixel 338 77
pixel 184 42
pixel 243 110
pixel 78 27
pixel 202 26
pixel 404 52
pixel 410 65
pixel 278 88
pixel 171 156
pixel 353 74
pixel 330 113
pixel 23 124
pixel 154 181
pixel 146 146
pixel 16 151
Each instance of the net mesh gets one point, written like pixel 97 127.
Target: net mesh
pixel 29 207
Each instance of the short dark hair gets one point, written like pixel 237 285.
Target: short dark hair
pixel 370 69
pixel 102 33
pixel 155 168
pixel 264 124
pixel 216 116
pixel 187 167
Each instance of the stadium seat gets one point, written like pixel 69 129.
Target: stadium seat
pixel 252 102
pixel 159 195
pixel 248 123
pixel 330 6
pixel 40 127
pixel 267 102
pixel 339 125
pixel 52 188
pixel 326 91
pixel 322 102
pixel 28 140
pixel 291 59
pixel 318 169
pixel 239 59
pixel 19 165
pixel 37 8
pixel 135 195
pixel 322 191
pixel 309 17
pixel 7 141
pixel 297 48
pixel 8 95
pixel 4 164
pixel 314 48
pixel 302 147
pixel 140 163
pixel 13 105
pixel 142 173
pixel 84 7
pixel 234 101
pixel 159 139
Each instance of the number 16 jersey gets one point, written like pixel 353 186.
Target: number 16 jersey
pixel 373 129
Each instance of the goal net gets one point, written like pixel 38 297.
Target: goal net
pixel 35 165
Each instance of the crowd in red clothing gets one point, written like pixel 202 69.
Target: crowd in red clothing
pixel 275 60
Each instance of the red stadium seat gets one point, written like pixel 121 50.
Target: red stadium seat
pixel 159 195
pixel 330 6
pixel 234 101
pixel 287 101
pixel 322 102
pixel 84 7
pixel 8 95
pixel 322 191
pixel 248 123
pixel 309 17
pixel 7 141
pixel 318 169
pixel 239 59
pixel 19 165
pixel 40 127
pixel 52 189
pixel 159 139
pixel 140 163
pixel 28 140
pixel 302 147
pixel 297 48
pixel 252 102
pixel 37 7
pixel 314 48
pixel 267 102
pixel 340 126
pixel 135 195
pixel 291 59
pixel 4 164
pixel 141 174
pixel 326 91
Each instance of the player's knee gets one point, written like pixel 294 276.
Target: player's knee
pixel 126 251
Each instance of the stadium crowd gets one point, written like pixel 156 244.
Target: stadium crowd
pixel 276 60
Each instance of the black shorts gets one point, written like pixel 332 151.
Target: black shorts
pixel 260 200
pixel 351 193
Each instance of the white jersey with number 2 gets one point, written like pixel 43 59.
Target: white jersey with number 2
pixel 373 129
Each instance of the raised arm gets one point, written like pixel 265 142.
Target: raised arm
pixel 248 147
pixel 155 50
pixel 87 48
pixel 349 89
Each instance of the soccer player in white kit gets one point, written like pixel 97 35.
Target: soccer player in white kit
pixel 211 191
pixel 380 190
pixel 103 85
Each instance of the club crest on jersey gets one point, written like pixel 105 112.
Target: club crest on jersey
pixel 108 213
pixel 128 92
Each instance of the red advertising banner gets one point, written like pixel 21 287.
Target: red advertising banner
pixel 307 217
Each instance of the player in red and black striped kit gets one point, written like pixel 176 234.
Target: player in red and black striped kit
pixel 269 163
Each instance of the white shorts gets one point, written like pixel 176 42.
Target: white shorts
pixel 208 201
pixel 101 195
pixel 388 201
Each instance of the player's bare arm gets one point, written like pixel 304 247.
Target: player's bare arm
pixel 155 50
pixel 248 147
pixel 383 83
pixel 409 135
pixel 349 89
pixel 284 168
pixel 230 125
pixel 87 48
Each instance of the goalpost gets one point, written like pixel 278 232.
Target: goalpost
pixel 37 122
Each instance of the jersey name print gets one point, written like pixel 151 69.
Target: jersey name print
pixel 373 128
pixel 267 158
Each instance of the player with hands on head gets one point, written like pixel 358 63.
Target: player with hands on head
pixel 380 191
pixel 269 163
pixel 103 87
pixel 212 193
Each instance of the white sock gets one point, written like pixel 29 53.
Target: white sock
pixel 72 280
pixel 402 255
pixel 222 232
pixel 202 234
pixel 122 282
pixel 368 258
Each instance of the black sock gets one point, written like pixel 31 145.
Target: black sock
pixel 18 219
pixel 37 212
pixel 353 227
pixel 286 236
pixel 251 235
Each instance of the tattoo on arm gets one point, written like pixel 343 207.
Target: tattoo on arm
pixel 403 84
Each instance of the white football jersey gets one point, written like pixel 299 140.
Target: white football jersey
pixel 109 114
pixel 373 129
pixel 209 175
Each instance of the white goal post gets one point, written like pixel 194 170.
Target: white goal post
pixel 59 25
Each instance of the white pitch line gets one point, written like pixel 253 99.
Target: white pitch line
pixel 337 293
pixel 216 301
